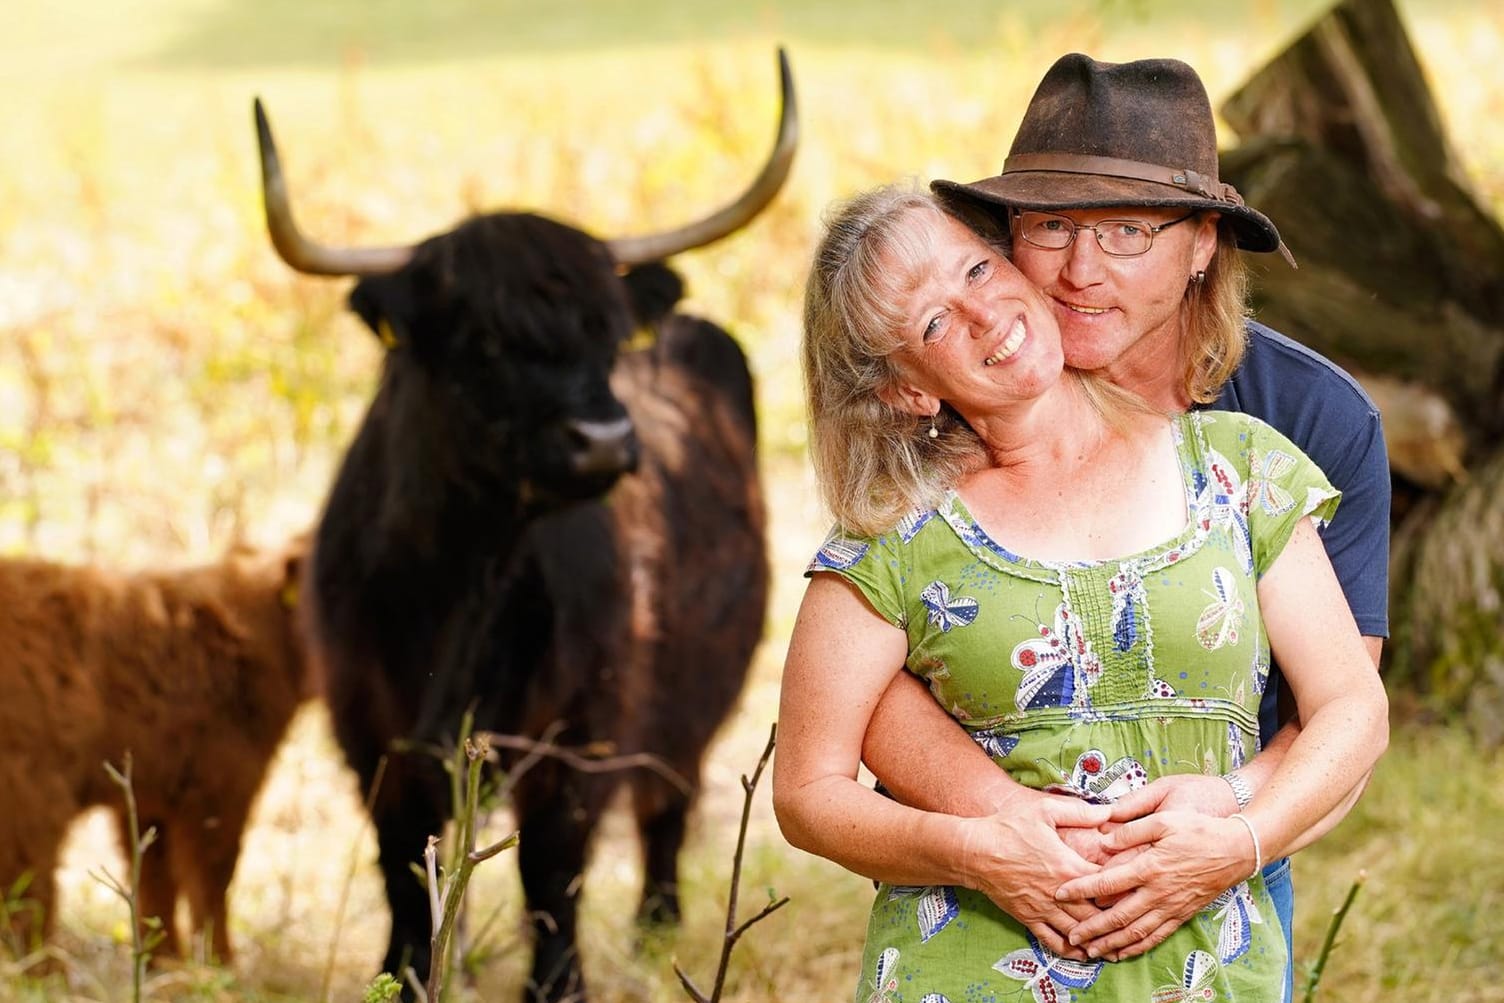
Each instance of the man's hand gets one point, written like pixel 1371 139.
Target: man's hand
pixel 1187 860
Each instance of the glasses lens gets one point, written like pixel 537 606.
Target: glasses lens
pixel 1124 237
pixel 1046 229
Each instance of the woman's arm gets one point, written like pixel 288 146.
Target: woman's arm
pixel 842 656
pixel 1344 729
pixel 1344 711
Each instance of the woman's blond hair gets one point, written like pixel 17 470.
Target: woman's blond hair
pixel 873 462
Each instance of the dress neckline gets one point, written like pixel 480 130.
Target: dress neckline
pixel 1189 448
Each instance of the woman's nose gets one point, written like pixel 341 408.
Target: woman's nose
pixel 983 315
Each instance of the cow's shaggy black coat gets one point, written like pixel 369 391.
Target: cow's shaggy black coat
pixel 466 557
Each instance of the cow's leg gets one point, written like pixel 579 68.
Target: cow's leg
pixel 205 867
pixel 662 813
pixel 558 815
pixel 158 895
pixel 405 814
pixel 31 836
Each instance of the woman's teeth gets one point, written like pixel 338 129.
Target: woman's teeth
pixel 1011 344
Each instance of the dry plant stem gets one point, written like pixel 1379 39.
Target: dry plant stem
pixel 1331 937
pixel 445 896
pixel 344 893
pixel 446 892
pixel 411 978
pixel 139 842
pixel 583 759
pixel 733 931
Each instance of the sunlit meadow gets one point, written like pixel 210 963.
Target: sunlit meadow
pixel 168 387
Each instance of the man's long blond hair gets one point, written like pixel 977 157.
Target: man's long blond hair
pixel 1214 321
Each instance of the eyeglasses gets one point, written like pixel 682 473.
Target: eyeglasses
pixel 1121 238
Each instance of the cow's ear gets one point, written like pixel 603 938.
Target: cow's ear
pixel 652 291
pixel 387 304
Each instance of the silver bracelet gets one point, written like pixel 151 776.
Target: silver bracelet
pixel 1241 792
pixel 1258 851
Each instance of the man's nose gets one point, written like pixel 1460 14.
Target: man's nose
pixel 1084 259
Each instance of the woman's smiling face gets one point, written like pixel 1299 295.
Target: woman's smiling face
pixel 976 333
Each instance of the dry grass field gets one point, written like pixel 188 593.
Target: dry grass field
pixel 168 387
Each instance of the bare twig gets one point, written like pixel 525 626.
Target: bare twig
pixel 1331 937
pixel 733 930
pixel 587 759
pixel 447 884
pixel 141 945
pixel 416 984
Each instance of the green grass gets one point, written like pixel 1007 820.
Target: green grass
pixel 1427 924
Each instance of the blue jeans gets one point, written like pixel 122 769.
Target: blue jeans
pixel 1282 890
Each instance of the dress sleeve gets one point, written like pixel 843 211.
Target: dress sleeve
pixel 1283 487
pixel 872 564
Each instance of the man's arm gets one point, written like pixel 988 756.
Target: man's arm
pixel 911 740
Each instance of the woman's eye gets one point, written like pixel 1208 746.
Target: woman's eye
pixel 932 329
pixel 977 271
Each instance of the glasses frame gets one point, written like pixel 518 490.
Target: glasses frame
pixel 1152 231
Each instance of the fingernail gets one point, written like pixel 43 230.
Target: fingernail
pixel 1075 940
pixel 1092 952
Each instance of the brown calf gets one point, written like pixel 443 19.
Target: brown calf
pixel 194 672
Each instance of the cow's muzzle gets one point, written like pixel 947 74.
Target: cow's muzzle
pixel 602 448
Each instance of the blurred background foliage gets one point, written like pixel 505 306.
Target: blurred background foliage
pixel 168 386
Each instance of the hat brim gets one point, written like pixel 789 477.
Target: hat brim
pixel 1046 190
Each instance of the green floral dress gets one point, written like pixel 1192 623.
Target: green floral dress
pixel 1092 678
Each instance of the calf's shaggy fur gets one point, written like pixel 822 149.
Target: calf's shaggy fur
pixel 194 672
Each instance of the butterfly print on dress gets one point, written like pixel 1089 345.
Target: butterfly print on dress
pixel 1196 980
pixel 1058 666
pixel 1046 974
pixel 946 611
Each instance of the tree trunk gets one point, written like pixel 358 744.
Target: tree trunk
pixel 1401 281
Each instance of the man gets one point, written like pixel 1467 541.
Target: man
pixel 1112 198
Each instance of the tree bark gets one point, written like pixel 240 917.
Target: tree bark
pixel 1401 281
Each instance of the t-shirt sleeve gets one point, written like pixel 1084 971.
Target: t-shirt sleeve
pixel 872 564
pixel 1283 487
pixel 1357 540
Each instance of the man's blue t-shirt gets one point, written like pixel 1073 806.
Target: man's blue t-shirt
pixel 1322 410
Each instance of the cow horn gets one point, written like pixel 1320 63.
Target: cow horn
pixel 657 247
pixel 296 249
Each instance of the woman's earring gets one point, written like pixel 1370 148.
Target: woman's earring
pixel 934 432
pixel 1198 278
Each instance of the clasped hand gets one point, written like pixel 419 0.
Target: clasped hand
pixel 1112 881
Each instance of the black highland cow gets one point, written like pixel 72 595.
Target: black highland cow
pixel 538 523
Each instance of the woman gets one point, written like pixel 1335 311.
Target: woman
pixel 1076 577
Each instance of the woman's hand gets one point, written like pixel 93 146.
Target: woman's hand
pixel 1184 860
pixel 1020 856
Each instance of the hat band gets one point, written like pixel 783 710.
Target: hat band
pixel 1137 170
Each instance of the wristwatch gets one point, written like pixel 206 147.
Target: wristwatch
pixel 1241 792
